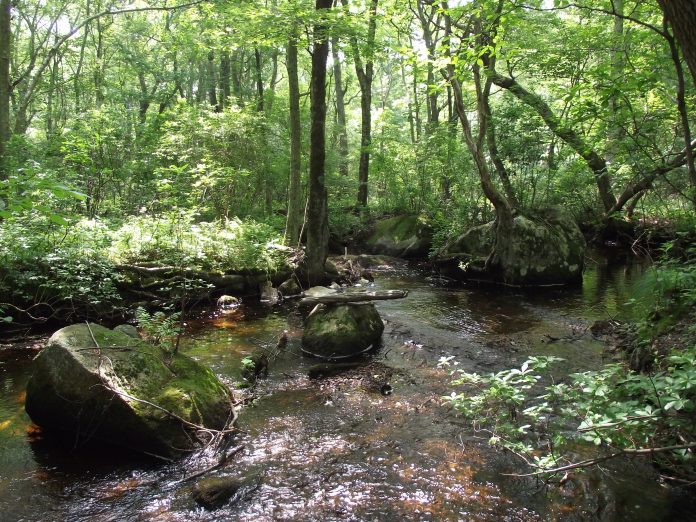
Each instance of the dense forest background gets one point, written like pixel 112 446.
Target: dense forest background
pixel 267 120
pixel 204 106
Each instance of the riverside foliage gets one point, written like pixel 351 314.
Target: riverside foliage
pixel 541 416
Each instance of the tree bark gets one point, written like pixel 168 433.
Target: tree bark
pixel 682 108
pixel 99 67
pixel 144 102
pixel 212 83
pixel 225 79
pixel 476 142
pixel 615 131
pixel 317 222
pixel 236 67
pixel 427 20
pixel 340 110
pixel 259 80
pixel 365 73
pixel 681 15
pixel 5 25
pixel 495 155
pixel 202 80
pixel 294 213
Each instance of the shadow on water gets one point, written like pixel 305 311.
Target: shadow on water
pixel 338 448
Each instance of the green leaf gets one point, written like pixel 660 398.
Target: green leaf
pixel 58 219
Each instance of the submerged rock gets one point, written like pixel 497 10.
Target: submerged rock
pixel 254 366
pixel 401 236
pixel 546 248
pixel 214 492
pixel 326 370
pixel 339 331
pixel 124 391
pixel 268 294
pixel 224 490
pixel 226 302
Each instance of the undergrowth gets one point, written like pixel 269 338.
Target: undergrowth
pixel 49 270
pixel 617 410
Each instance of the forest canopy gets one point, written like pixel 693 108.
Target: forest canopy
pixel 148 106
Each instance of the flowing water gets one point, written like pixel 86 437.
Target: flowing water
pixel 339 448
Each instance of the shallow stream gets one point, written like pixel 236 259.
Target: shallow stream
pixel 338 448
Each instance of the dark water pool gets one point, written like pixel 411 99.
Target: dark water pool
pixel 338 449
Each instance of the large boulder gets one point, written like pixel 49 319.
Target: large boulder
pixel 341 331
pixel 124 391
pixel 546 248
pixel 401 236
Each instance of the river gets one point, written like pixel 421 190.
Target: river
pixel 339 448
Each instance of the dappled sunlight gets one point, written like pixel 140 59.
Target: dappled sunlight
pixel 373 442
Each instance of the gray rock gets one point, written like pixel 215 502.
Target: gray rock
pixel 129 330
pixel 254 366
pixel 227 302
pixel 401 236
pixel 317 291
pixel 290 288
pixel 330 268
pixel 341 331
pixel 124 391
pixel 547 248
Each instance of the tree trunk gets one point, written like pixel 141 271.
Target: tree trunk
pixel 294 213
pixel 212 83
pixel 681 15
pixel 426 19
pixel 365 75
pixel 615 131
pixel 495 156
pixel 683 110
pixel 5 25
pixel 201 87
pixel 99 67
pixel 259 80
pixel 225 79
pixel 407 90
pixel 317 222
pixel 50 97
pixel 597 164
pixel 340 110
pixel 270 94
pixel 475 142
pixel 236 75
pixel 144 98
pixel 365 142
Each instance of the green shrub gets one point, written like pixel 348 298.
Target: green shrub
pixel 60 269
pixel 177 239
pixel 619 411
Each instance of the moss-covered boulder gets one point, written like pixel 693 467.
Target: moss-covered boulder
pixel 545 248
pixel 124 391
pixel 401 236
pixel 341 331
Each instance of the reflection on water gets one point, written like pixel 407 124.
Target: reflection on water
pixel 337 449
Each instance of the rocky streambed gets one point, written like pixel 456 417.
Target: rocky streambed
pixel 368 442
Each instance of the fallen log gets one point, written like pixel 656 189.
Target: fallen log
pixel 354 297
pixel 219 280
